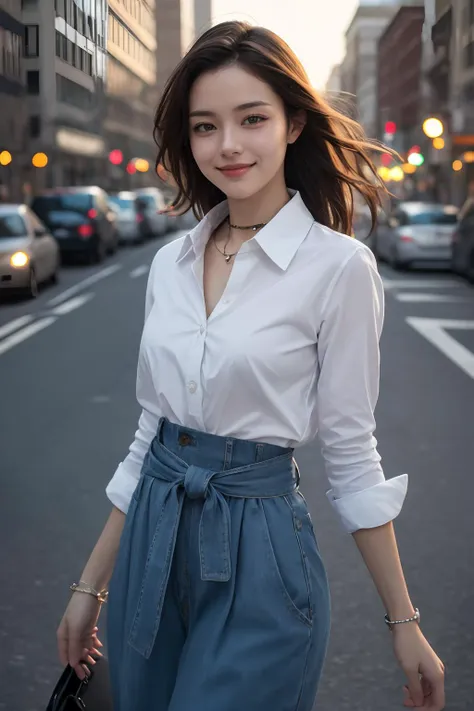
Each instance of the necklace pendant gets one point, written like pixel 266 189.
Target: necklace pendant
pixel 228 257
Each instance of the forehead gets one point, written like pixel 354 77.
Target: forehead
pixel 227 87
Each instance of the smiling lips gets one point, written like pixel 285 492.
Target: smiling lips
pixel 237 170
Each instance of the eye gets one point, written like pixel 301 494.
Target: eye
pixel 253 120
pixel 203 127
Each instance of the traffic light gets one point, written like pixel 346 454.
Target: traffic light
pixel 390 127
pixel 116 156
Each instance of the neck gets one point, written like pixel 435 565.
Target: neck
pixel 258 208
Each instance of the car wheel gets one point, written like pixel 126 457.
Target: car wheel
pixel 98 253
pixel 32 288
pixel 55 275
pixel 470 269
pixel 396 262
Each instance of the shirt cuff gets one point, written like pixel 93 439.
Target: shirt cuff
pixel 121 487
pixel 371 507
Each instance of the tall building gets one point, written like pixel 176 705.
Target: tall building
pixel 131 83
pixel 359 67
pixel 179 22
pixel 65 68
pixel 399 76
pixel 13 117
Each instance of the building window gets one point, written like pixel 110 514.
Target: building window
pixel 35 126
pixel 60 8
pixel 68 92
pixel 32 82
pixel 31 41
pixel 88 63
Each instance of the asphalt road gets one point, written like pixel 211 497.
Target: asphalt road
pixel 67 378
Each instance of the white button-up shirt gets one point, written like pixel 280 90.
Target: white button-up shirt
pixel 291 351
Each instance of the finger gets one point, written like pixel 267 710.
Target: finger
pixel 437 698
pixel 415 687
pixel 408 701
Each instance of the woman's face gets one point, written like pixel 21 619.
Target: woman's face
pixel 238 131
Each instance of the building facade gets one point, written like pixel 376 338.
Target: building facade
pixel 65 65
pixel 449 79
pixel 13 115
pixel 130 86
pixel 359 67
pixel 399 74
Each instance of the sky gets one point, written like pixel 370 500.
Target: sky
pixel 314 29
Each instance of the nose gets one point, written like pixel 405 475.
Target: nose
pixel 231 144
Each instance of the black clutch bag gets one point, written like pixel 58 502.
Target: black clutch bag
pixel 91 694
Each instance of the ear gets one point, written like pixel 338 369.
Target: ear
pixel 296 125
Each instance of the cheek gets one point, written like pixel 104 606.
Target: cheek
pixel 272 143
pixel 203 150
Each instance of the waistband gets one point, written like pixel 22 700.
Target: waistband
pixel 269 478
pixel 214 451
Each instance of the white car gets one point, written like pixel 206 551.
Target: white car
pixel 151 202
pixel 128 217
pixel 29 254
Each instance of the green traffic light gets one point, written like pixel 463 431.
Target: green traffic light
pixel 416 159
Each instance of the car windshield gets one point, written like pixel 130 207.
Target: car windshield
pixel 432 216
pixel 12 226
pixel 146 200
pixel 70 202
pixel 121 202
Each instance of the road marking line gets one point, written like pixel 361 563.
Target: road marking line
pixel 72 304
pixel 93 279
pixel 25 333
pixel 434 331
pixel 14 325
pixel 419 283
pixel 417 298
pixel 139 271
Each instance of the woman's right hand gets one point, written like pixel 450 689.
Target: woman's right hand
pixel 77 633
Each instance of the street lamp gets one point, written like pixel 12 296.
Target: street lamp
pixel 433 127
pixel 40 160
pixel 457 165
pixel 5 158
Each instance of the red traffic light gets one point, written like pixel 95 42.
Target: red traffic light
pixel 386 159
pixel 131 169
pixel 414 149
pixel 390 127
pixel 116 156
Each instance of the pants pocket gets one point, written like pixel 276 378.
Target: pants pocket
pixel 286 557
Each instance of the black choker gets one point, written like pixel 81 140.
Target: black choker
pixel 254 228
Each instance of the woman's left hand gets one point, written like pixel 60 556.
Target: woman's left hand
pixel 423 668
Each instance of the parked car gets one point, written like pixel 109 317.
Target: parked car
pixel 29 254
pixel 463 247
pixel 129 218
pixel 150 202
pixel 80 219
pixel 415 233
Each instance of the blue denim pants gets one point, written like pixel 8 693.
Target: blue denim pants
pixel 219 599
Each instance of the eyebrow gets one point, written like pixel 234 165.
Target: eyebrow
pixel 240 107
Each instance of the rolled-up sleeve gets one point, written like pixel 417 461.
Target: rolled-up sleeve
pixel 347 392
pixel 125 479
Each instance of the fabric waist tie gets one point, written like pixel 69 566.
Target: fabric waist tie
pixel 266 479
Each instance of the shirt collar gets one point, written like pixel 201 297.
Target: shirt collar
pixel 280 239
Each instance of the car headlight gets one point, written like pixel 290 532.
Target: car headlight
pixel 19 259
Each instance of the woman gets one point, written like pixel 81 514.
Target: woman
pixel 261 331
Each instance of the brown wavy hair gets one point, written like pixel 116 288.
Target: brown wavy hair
pixel 330 161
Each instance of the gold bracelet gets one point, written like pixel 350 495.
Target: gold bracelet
pixel 83 587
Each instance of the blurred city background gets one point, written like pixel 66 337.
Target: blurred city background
pixel 80 221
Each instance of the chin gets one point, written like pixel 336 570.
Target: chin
pixel 242 190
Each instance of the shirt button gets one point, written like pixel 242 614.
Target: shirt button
pixel 202 329
pixel 192 386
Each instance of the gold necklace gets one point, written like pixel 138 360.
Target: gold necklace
pixel 225 254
